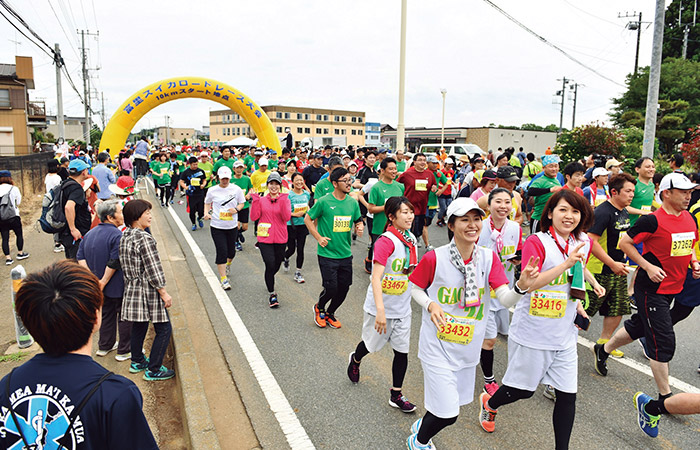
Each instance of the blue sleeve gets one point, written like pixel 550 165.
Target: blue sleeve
pixel 561 179
pixel 114 246
pixel 127 425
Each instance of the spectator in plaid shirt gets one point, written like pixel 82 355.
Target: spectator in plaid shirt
pixel 145 297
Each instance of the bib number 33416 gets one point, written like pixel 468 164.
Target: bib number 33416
pixel 549 304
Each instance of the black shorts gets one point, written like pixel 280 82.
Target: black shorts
pixel 418 224
pixel 653 321
pixel 244 215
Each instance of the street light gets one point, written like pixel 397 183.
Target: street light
pixel 442 131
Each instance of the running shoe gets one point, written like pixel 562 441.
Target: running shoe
pixel 194 227
pixel 487 416
pixel 599 360
pixel 491 388
pixel 286 265
pixel 225 284
pixel 615 353
pixel 354 237
pixel 161 374
pixel 239 247
pixel 298 278
pixel 172 201
pixel 319 317
pixel 353 369
pixel 58 248
pixel 550 393
pixel 413 444
pixel 643 343
pixel 698 369
pixel 368 265
pixel 274 303
pixel 201 223
pixel 122 356
pixel 106 352
pixel 633 303
pixel 398 400
pixel 23 255
pixel 332 321
pixel 162 204
pixel 9 262
pixel 647 423
pixel 136 367
pixel 241 238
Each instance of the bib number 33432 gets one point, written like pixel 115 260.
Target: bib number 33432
pixel 457 330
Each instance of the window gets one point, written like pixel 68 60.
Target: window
pixel 307 130
pixel 337 118
pixel 318 117
pixel 279 115
pixel 279 129
pixel 228 131
pixel 353 119
pixel 353 132
pixel 318 131
pixel 343 119
pixel 337 131
pixel 359 132
pixel 286 115
pixel 343 131
pixel 300 130
pixel 307 116
pixel 325 118
pixel 299 116
pixel 359 120
pixel 326 131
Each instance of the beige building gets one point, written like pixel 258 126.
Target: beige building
pixel 73 127
pixel 317 126
pixel 171 135
pixel 18 116
pixel 486 138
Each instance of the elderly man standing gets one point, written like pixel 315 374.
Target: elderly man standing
pixel 99 252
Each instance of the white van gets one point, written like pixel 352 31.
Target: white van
pixel 452 150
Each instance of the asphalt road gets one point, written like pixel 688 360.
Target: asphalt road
pixel 309 364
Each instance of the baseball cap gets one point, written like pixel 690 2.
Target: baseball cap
pixel 489 175
pixel 461 206
pixel 316 155
pixel 675 180
pixel 262 162
pixel 239 163
pixel 449 161
pixel 507 173
pixel 381 150
pixel 599 171
pixel 5 174
pixel 612 163
pixel 203 154
pixel 550 159
pixel 77 166
pixel 224 172
pixel 433 159
pixel 274 176
pixel 258 153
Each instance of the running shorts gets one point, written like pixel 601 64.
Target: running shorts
pixel 398 332
pixel 497 323
pixel 446 390
pixel 615 302
pixel 530 367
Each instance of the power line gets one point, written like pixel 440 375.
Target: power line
pixel 63 29
pixel 545 41
pixel 20 20
pixel 590 14
pixel 27 37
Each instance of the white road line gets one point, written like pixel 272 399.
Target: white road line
pixel 288 420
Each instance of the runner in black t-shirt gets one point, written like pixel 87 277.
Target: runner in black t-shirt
pixel 193 181
pixel 75 207
pixel 607 264
pixel 669 235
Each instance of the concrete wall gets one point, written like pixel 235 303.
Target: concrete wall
pixel 531 141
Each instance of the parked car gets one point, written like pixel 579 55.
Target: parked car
pixel 453 150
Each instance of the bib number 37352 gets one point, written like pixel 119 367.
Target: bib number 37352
pixel 457 330
pixel 549 304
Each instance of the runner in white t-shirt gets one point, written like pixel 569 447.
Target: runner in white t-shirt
pixel 222 205
pixel 451 284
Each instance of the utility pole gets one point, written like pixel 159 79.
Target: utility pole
pixel 400 128
pixel 58 60
pixel 104 123
pixel 562 93
pixel 686 31
pixel 442 130
pixel 167 130
pixel 654 80
pixel 573 119
pixel 634 25
pixel 86 96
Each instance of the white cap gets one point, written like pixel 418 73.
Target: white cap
pixel 599 171
pixel 262 162
pixel 201 154
pixel 449 161
pixel 238 163
pixel 674 180
pixel 224 172
pixel 461 206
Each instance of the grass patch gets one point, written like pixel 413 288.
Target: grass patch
pixel 14 357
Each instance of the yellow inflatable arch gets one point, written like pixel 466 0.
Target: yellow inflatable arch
pixel 131 111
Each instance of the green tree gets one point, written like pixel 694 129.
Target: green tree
pixel 585 140
pixel 691 149
pixel 673 31
pixel 95 136
pixel 679 100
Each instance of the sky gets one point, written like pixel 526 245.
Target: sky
pixel 343 55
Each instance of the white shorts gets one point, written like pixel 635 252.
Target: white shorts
pixel 497 323
pixel 398 332
pixel 529 367
pixel 446 390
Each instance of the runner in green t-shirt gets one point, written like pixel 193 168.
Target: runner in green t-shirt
pixel 330 222
pixel 206 166
pixel 325 186
pixel 543 188
pixel 643 190
pixel 243 182
pixel 160 168
pixel 225 161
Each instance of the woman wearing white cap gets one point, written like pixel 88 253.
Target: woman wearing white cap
pixel 222 205
pixel 452 283
pixel 597 192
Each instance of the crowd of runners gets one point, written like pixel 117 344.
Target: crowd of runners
pixel 600 241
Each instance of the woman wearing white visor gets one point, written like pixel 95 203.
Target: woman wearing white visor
pixel 453 283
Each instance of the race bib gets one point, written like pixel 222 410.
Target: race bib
pixel 341 224
pixel 457 330
pixel 195 182
pixel 622 233
pixel 682 243
pixel 646 208
pixel 225 215
pixel 263 186
pixel 163 170
pixel 394 284
pixel 549 304
pixel 264 229
pixel 300 207
pixel 508 250
pixel 421 185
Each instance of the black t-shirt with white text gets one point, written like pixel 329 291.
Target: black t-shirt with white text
pixel 194 179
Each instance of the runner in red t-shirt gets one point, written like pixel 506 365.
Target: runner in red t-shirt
pixel 418 183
